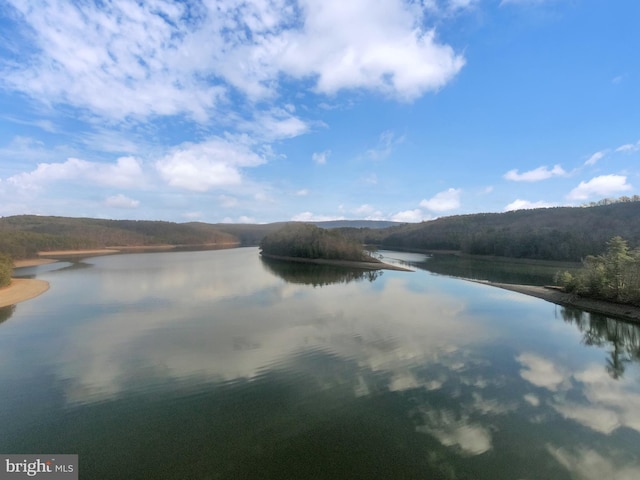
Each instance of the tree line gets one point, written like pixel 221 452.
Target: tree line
pixel 613 275
pixel 23 236
pixel 6 270
pixel 560 233
pixel 308 241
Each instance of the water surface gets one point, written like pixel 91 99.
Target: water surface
pixel 217 364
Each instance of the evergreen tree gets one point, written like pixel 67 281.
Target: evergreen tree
pixel 6 269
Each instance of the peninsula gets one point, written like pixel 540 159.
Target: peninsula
pixel 307 243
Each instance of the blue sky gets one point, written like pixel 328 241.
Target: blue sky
pixel 270 110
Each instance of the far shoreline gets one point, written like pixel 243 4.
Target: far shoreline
pixel 338 263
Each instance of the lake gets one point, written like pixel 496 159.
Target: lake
pixel 220 365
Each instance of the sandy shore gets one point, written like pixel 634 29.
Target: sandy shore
pixel 555 295
pixel 340 263
pixel 69 253
pixel 32 262
pixel 22 289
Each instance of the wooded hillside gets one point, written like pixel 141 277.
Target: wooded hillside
pixel 563 233
pixel 25 235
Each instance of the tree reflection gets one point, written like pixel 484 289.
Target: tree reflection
pixel 6 312
pixel 621 338
pixel 317 275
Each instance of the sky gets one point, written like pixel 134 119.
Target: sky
pixel 255 111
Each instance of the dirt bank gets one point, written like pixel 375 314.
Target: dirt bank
pixel 22 289
pixel 555 295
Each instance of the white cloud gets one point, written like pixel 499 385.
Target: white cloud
pixel 214 163
pixel 629 147
pixel 321 157
pixel 132 59
pixel 408 216
pixel 443 201
pixel 540 173
pixel 275 124
pixel 125 173
pixel 121 201
pixel 313 217
pixel 603 185
pixel 118 59
pixel 365 209
pixel 303 192
pixel 593 159
pixel 378 46
pixel 526 204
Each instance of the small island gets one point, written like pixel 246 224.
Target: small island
pixel 307 243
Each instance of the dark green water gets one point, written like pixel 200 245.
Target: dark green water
pixel 207 365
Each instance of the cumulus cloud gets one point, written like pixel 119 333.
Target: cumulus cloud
pixel 526 204
pixel 140 59
pixel 603 185
pixel 121 201
pixel 443 201
pixel 216 163
pixel 408 216
pixel 125 173
pixel 540 173
pixel 321 157
pixel 378 46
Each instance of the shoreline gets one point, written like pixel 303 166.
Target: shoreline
pixel 32 262
pixel 630 313
pixel 339 263
pixel 22 289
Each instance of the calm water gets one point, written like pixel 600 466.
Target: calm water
pixel 207 365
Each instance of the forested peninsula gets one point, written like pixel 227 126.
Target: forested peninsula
pixel 310 244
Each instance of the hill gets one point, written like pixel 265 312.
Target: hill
pixel 23 236
pixel 562 233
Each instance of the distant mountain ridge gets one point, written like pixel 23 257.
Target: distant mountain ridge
pixel 561 233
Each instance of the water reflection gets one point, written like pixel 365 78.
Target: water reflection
pixel 495 270
pixel 6 312
pixel 621 339
pixel 317 275
pixel 409 376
